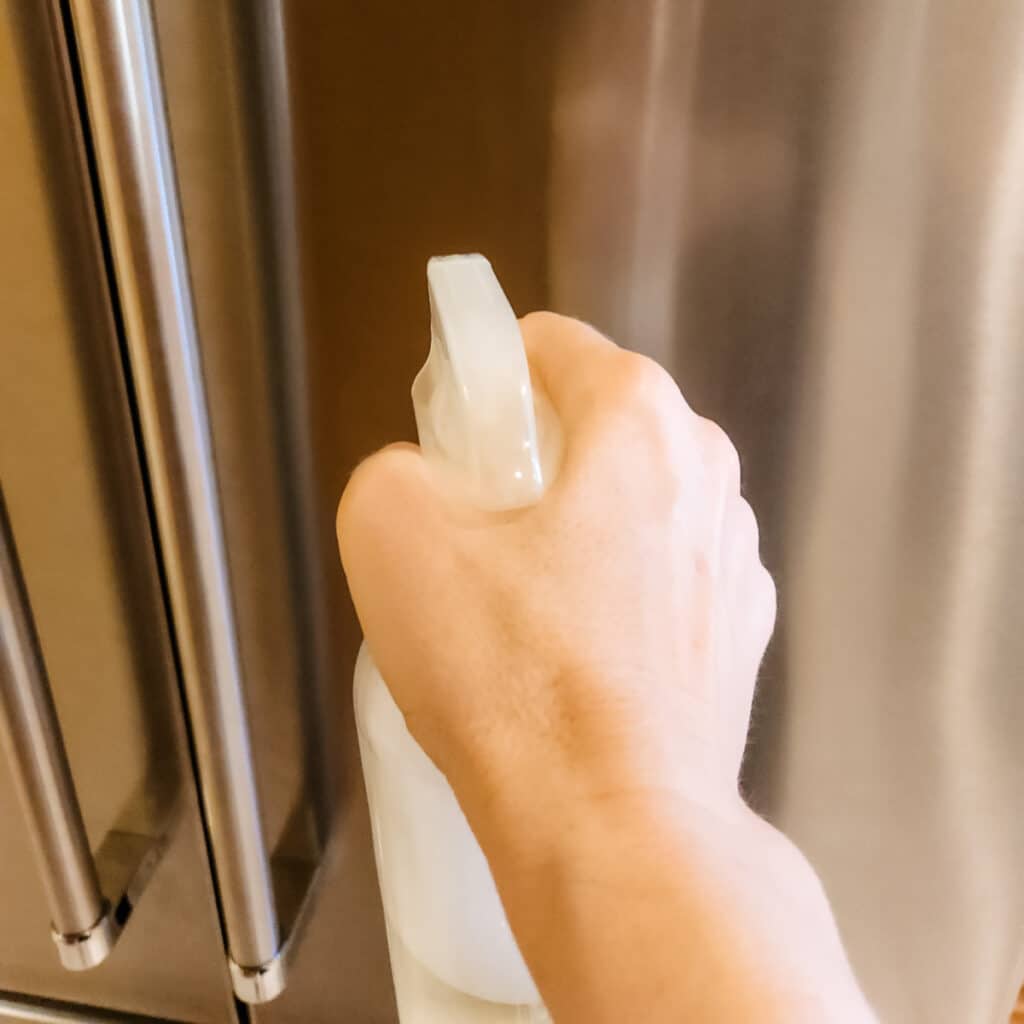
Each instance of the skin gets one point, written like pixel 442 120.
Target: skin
pixel 582 672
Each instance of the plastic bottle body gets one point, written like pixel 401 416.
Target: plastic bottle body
pixel 454 957
pixel 422 999
pixel 451 945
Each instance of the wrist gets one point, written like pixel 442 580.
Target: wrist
pixel 611 880
pixel 607 883
pixel 528 820
pixel 527 791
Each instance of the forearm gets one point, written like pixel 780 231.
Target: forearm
pixel 656 909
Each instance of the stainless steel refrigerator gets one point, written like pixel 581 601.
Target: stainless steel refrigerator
pixel 216 217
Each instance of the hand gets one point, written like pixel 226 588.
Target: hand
pixel 612 632
pixel 582 672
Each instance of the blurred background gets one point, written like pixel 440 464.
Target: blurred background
pixel 811 213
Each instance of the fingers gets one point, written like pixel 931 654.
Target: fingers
pixel 607 399
pixel 570 360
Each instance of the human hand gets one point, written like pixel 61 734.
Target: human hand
pixel 608 636
pixel 582 672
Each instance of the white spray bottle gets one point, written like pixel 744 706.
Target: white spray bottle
pixel 453 956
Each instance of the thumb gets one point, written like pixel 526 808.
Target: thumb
pixel 387 514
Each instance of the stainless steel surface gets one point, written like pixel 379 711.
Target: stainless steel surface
pixel 301 883
pixel 14 1008
pixel 903 538
pixel 127 112
pixel 80 951
pixel 259 984
pixel 814 215
pixel 84 924
pixel 39 763
pixel 811 214
pixel 70 476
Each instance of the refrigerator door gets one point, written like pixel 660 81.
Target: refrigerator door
pixel 813 214
pixel 88 588
pixel 222 74
pixel 810 213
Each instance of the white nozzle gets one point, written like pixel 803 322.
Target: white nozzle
pixel 473 400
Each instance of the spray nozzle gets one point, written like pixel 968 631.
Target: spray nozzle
pixel 475 408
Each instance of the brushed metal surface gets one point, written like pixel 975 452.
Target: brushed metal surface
pixel 814 215
pixel 126 110
pixel 811 213
pixel 70 475
pixel 39 762
pixel 85 924
pixel 234 164
pixel 17 1008
pixel 124 89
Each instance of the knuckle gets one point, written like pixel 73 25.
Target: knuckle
pixel 747 526
pixel 648 397
pixel 367 487
pixel 540 321
pixel 643 417
pixel 644 382
pixel 354 498
pixel 767 596
pixel 543 321
pixel 721 453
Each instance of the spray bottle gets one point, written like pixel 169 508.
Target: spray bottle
pixel 453 956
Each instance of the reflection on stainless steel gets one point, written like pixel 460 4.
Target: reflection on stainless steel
pixel 85 925
pixel 276 290
pixel 127 113
pixel 36 748
pixel 846 222
pixel 71 479
pixel 234 155
pixel 811 213
pixel 904 681
pixel 13 1008
pixel 622 108
pixel 78 951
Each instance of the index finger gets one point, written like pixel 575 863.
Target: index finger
pixel 570 360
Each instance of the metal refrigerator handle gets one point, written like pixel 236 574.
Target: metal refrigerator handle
pixel 127 117
pixel 84 924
